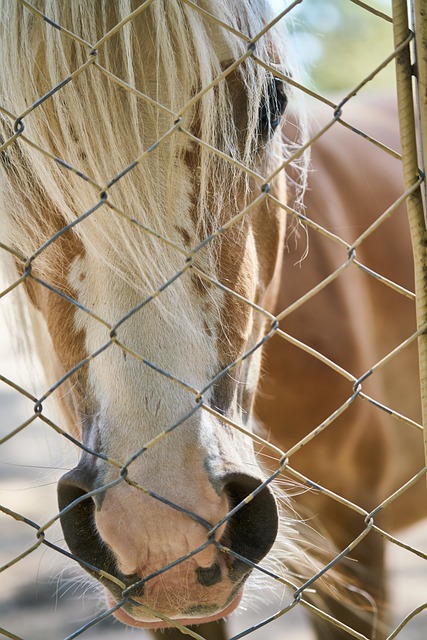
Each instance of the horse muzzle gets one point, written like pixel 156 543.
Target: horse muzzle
pixel 161 563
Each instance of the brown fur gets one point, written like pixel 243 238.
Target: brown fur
pixel 365 455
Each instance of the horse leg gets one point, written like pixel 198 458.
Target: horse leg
pixel 360 598
pixel 209 631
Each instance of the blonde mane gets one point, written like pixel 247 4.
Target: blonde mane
pixel 95 126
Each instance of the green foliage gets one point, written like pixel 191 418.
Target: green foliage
pixel 345 43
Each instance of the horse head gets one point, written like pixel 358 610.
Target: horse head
pixel 150 246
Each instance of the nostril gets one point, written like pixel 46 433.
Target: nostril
pixel 208 576
pixel 74 484
pixel 252 530
pixel 78 526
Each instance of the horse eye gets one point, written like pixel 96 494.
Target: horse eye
pixel 273 106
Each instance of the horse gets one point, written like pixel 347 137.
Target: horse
pixel 144 203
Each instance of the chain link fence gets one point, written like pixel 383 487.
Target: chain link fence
pixel 36 447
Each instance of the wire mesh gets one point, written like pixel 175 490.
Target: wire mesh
pixel 28 435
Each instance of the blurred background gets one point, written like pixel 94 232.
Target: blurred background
pixel 341 43
pixel 44 596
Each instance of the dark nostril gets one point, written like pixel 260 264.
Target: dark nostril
pixel 78 526
pixel 252 530
pixel 208 576
pixel 78 481
pixel 77 521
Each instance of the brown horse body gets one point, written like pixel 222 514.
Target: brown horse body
pixel 365 454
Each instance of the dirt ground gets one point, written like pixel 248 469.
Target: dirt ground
pixel 44 597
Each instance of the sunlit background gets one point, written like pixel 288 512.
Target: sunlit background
pixel 339 43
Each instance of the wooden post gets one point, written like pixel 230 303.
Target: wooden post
pixel 413 131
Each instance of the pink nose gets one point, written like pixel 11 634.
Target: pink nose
pixel 146 534
pixel 154 556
